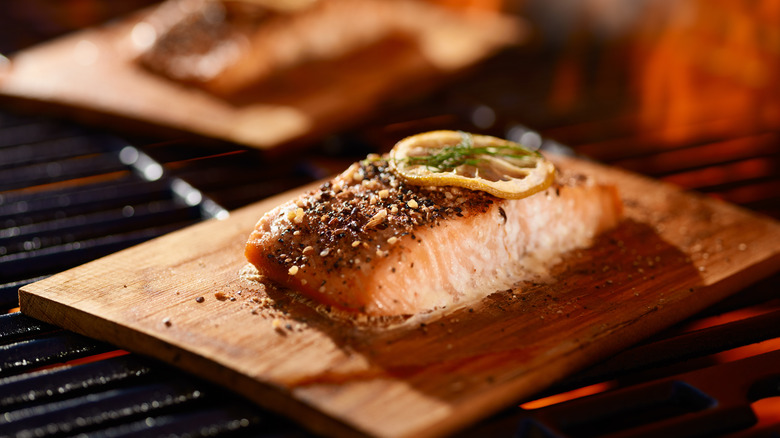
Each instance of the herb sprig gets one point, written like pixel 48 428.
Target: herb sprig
pixel 448 158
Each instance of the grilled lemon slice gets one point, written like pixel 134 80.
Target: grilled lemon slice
pixel 478 162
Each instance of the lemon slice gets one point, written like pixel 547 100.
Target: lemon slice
pixel 478 162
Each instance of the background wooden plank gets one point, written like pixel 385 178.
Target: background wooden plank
pixel 94 75
pixel 675 254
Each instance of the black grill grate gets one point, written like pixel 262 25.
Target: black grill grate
pixel 69 195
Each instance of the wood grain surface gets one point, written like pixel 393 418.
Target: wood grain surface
pixel 673 255
pixel 94 75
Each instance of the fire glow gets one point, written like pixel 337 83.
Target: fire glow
pixel 707 67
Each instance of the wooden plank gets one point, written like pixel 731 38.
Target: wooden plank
pixel 675 254
pixel 94 75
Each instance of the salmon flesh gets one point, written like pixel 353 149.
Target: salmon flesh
pixel 366 242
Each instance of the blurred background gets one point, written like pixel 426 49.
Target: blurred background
pixel 683 91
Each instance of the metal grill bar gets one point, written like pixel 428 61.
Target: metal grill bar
pixel 56 348
pixel 108 221
pixel 60 383
pixel 126 396
pixel 37 261
pixel 48 150
pixel 682 348
pixel 21 208
pixel 728 386
pixel 102 408
pixel 55 171
pixel 699 156
pixel 15 326
pixel 226 421
pixel 68 196
pixel 23 130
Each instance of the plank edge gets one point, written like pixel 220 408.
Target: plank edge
pixel 262 394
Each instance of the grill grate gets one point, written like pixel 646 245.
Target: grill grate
pixel 67 196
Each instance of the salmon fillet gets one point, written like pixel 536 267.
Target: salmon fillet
pixel 367 242
pixel 227 47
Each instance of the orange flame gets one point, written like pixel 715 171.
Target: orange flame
pixel 704 62
pixel 566 396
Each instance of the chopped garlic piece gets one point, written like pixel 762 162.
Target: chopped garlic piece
pixel 377 219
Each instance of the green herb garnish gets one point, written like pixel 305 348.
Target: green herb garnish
pixel 447 158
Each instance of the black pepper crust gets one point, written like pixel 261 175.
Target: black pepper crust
pixel 367 212
pixel 363 213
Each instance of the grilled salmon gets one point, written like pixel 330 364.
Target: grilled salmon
pixel 366 242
